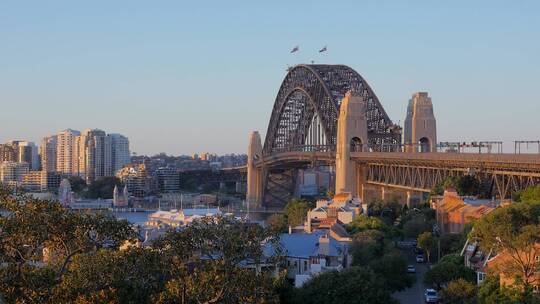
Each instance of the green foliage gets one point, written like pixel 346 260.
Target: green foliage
pixel 392 268
pixel 84 264
pixel 103 188
pixel 416 223
pixel 34 226
pixel 427 242
pixel 364 222
pixel 459 291
pixel 448 269
pixel 130 276
pixel 389 210
pixel 451 243
pixel 78 185
pixel 464 185
pixel 490 292
pixel 277 222
pixel 203 263
pixel 296 211
pixel 515 230
pixel 367 246
pixel 353 285
pixel 531 194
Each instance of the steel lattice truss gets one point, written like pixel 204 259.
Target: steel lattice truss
pixel 305 113
pixel 424 178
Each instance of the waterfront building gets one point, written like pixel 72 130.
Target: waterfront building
pixel 65 195
pixel 120 200
pixel 47 153
pixel 136 179
pixel 179 218
pixel 11 173
pixel 168 179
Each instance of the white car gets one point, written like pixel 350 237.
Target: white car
pixel 431 296
pixel 411 269
pixel 419 258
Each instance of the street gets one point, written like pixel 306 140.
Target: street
pixel 415 294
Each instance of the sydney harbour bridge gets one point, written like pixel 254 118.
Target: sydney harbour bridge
pixel 328 115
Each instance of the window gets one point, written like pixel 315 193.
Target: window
pixel 305 266
pixel 481 277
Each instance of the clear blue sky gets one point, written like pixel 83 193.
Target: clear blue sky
pixel 192 76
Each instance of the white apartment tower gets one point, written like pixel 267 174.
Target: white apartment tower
pixel 67 152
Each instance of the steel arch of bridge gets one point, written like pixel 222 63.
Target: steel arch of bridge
pixel 305 113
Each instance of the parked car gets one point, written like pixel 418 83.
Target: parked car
pixel 431 296
pixel 411 269
pixel 419 258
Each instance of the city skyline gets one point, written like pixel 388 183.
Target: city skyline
pixel 191 73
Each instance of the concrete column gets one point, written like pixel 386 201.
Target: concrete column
pixel 351 135
pixel 254 180
pixel 408 199
pixel 383 193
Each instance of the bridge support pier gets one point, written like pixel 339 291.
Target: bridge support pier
pixel 383 193
pixel 255 182
pixel 351 137
pixel 408 200
pixel 420 125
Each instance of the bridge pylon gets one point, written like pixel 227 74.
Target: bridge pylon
pixel 420 125
pixel 352 136
pixel 255 182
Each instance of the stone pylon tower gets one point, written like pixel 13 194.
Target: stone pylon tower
pixel 420 125
pixel 351 137
pixel 254 176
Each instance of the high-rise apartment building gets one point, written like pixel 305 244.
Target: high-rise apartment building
pixel 11 173
pixel 47 153
pixel 20 151
pixel 67 152
pixel 120 152
pixel 28 153
pixel 94 155
pixel 8 153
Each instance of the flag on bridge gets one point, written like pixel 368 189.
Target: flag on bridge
pixel 323 49
pixel 295 49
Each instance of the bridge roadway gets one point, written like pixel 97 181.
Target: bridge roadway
pixel 506 173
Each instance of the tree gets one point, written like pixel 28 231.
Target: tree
pixel 459 291
pixel 416 223
pixel 129 276
pixel 392 267
pixel 353 285
pixel 278 222
pixel 367 246
pixel 204 261
pixel 364 222
pixel 448 269
pixel 426 241
pixel 78 185
pixel 531 194
pixel 296 211
pixel 38 230
pixel 103 188
pixel 513 231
